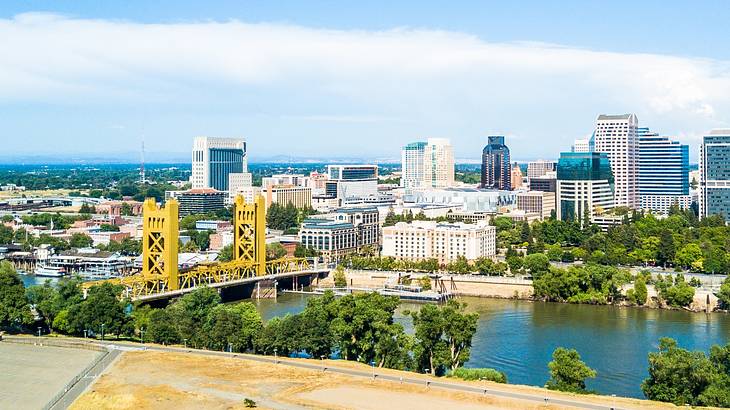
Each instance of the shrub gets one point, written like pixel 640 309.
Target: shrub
pixel 479 374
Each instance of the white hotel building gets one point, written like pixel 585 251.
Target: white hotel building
pixel 427 164
pixel 443 241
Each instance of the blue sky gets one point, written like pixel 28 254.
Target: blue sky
pixel 358 79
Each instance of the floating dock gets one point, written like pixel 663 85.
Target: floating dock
pixel 400 293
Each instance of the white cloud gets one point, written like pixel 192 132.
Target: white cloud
pixel 428 75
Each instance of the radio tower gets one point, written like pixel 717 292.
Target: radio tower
pixel 142 176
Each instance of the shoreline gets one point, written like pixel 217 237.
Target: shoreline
pixel 500 287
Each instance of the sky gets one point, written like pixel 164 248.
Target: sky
pixel 340 79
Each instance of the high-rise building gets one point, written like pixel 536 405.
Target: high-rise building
pixel 539 168
pixel 617 136
pixel 214 159
pixel 300 197
pixel 427 164
pixel 199 201
pixel 496 171
pixel 663 172
pixel 585 185
pixel 342 232
pixel 714 195
pixel 516 176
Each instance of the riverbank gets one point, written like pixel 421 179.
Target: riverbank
pixel 177 379
pixel 500 287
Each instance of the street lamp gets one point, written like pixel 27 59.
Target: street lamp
pixel 141 334
pixel 186 343
pixel 276 361
pixel 39 332
pixel 372 363
pixel 85 333
pixel 322 357
pixel 102 332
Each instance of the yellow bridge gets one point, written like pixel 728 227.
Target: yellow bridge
pixel 160 277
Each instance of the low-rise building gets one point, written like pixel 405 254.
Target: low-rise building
pixel 541 203
pixel 198 200
pixel 445 242
pixel 300 197
pixel 117 208
pixel 206 225
pixel 332 234
pixel 469 199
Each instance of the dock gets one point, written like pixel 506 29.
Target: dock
pixel 415 296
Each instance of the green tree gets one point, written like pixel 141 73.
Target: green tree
pixel 639 292
pixel 665 249
pixel 191 312
pixel 237 326
pixel 226 254
pixel 425 282
pixel 724 294
pixel 339 277
pixel 459 329
pixel 101 307
pixel 275 251
pixel 537 263
pixel 431 351
pixel 86 209
pixel 162 327
pixel 677 375
pixel 479 374
pixel 80 240
pixel 568 372
pixel 14 308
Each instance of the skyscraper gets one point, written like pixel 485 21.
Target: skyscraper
pixel 616 135
pixel 714 197
pixel 496 171
pixel 663 172
pixel 516 176
pixel 582 145
pixel 585 185
pixel 427 164
pixel 214 159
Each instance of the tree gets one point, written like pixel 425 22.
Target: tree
pixel 305 252
pixel 236 326
pixel 338 276
pixel 431 351
pixel 86 209
pixel 108 228
pixel 679 295
pixel 724 294
pixel 191 312
pixel 42 298
pixel 537 263
pixel 275 251
pixel 665 249
pixel 677 375
pixel 425 282
pixel 459 329
pixel 101 307
pixel 688 255
pixel 80 240
pixel 568 372
pixel 162 327
pixel 640 292
pixel 14 309
pixel 226 254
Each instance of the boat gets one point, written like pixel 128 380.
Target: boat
pixel 49 271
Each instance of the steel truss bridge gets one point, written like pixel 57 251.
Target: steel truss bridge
pixel 160 277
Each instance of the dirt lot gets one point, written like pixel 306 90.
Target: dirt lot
pixel 31 375
pixel 146 380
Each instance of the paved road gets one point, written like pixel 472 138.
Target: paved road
pixel 86 380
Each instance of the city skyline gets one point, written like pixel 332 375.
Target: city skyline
pixel 86 80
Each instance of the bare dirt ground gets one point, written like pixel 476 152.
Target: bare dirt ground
pixel 147 380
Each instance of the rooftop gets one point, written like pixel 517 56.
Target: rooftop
pixel 606 117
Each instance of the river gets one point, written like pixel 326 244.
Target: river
pixel 518 337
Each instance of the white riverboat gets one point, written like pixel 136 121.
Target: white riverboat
pixel 50 271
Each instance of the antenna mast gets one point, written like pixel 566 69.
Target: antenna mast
pixel 142 176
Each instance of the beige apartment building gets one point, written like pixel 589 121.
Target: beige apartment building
pixel 300 197
pixel 445 242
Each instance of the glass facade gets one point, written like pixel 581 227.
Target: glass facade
pixel 715 174
pixel 496 170
pixel 584 166
pixel 222 162
pixel 663 165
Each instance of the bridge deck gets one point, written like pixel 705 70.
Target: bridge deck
pixel 175 293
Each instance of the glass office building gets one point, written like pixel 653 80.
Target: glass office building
pixel 714 196
pixel 585 185
pixel 663 172
pixel 496 170
pixel 215 159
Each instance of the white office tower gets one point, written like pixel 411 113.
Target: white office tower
pixel 616 135
pixel 427 164
pixel 582 145
pixel 215 159
pixel 539 168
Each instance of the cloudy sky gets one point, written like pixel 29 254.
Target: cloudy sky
pixel 337 79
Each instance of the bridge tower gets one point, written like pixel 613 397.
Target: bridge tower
pixel 249 232
pixel 159 242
